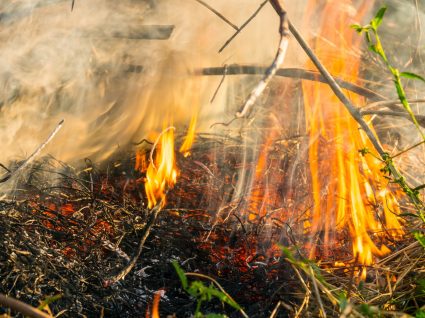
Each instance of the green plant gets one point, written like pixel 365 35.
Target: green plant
pixel 375 45
pixel 203 293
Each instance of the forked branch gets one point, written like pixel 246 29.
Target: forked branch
pixel 277 62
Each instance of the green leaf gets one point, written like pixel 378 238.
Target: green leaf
pixel 421 285
pixel 181 275
pixel 48 301
pixel 412 76
pixel 368 311
pixel 357 27
pixel 368 38
pixel 224 298
pixel 343 301
pixel 288 254
pixel 215 316
pixel 420 314
pixel 420 237
pixel 377 20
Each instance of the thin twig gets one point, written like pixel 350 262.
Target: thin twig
pixel 243 26
pixel 34 154
pixel 222 17
pixel 419 118
pixel 390 103
pixel 220 84
pixel 298 73
pixel 146 231
pixel 278 60
pixel 317 292
pixel 276 309
pixel 408 149
pixel 22 308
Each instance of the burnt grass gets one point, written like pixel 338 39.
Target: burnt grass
pixel 67 230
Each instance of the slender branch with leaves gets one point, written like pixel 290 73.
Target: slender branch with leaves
pixel 375 45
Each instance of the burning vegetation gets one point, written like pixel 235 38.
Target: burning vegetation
pixel 175 187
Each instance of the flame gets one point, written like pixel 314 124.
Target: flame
pixel 155 305
pixel 190 137
pixel 161 174
pixel 347 188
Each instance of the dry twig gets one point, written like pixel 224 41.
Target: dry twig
pixel 25 164
pixel 298 73
pixel 22 308
pixel 243 26
pixel 146 231
pixel 206 5
pixel 278 60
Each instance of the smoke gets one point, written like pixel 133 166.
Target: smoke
pixel 111 73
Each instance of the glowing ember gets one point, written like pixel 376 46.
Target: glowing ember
pixel 348 189
pixel 162 172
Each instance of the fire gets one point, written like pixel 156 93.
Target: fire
pixel 190 137
pixel 348 189
pixel 161 174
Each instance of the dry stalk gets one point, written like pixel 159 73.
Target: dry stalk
pixel 391 103
pixel 25 164
pixel 206 5
pixel 317 292
pixel 276 309
pixel 420 118
pixel 243 26
pixel 22 308
pixel 146 231
pixel 298 73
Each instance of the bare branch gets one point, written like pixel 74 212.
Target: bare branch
pixel 243 26
pixel 238 69
pixel 278 60
pixel 217 14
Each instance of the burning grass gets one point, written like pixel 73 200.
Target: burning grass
pixel 68 230
pixel 291 214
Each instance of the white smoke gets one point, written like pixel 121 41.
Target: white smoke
pixel 89 67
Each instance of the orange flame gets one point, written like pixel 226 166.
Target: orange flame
pixel 156 300
pixel 162 172
pixel 347 188
pixel 190 137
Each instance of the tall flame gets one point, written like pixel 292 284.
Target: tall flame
pixel 348 189
pixel 190 136
pixel 162 171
